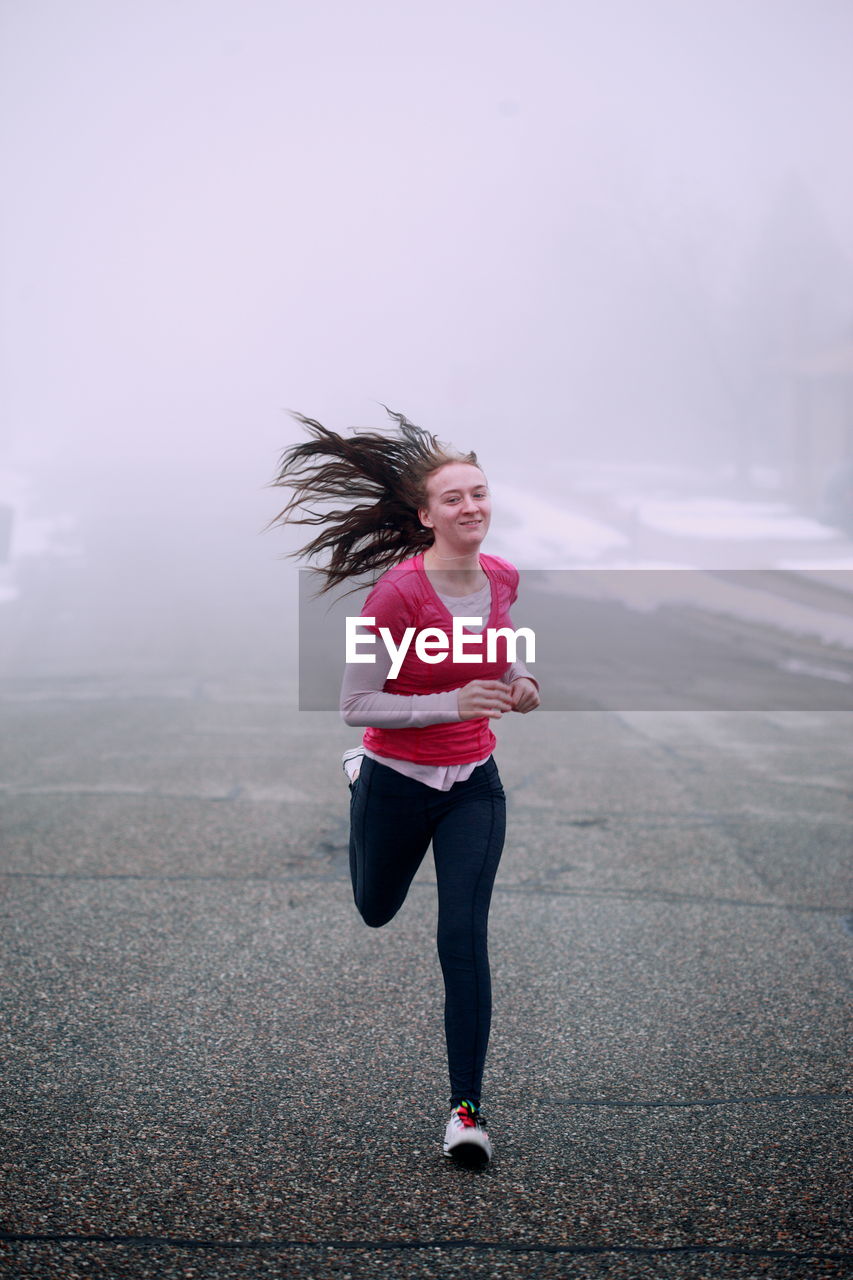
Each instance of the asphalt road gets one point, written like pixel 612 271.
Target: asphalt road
pixel 212 1068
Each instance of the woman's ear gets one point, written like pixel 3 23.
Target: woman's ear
pixel 423 516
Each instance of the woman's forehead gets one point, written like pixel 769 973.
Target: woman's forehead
pixel 454 475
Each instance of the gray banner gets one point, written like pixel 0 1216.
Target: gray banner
pixel 644 639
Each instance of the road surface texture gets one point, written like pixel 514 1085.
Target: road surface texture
pixel 214 1069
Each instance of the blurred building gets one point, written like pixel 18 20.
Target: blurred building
pixel 820 445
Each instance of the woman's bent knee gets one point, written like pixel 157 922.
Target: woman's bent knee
pixel 372 916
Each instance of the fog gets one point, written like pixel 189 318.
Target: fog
pixel 554 230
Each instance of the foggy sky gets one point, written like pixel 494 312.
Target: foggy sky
pixel 519 224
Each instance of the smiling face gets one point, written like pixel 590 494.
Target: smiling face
pixel 459 508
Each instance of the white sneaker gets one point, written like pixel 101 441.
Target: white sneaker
pixel 351 762
pixel 465 1138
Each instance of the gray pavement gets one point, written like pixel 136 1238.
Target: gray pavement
pixel 214 1069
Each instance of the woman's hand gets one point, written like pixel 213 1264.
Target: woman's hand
pixel 524 694
pixel 481 698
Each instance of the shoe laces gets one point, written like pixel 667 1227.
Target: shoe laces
pixel 469 1115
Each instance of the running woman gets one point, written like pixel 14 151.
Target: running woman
pixel 424 772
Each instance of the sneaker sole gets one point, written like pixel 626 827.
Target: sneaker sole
pixel 469 1154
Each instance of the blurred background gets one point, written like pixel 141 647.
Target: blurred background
pixel 608 246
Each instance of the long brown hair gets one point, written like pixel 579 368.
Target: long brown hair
pixel 382 479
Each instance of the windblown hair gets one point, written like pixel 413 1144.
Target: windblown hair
pixel 381 478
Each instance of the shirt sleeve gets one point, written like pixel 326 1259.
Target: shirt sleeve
pixel 518 671
pixel 364 701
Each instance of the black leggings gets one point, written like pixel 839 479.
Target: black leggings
pixel 393 819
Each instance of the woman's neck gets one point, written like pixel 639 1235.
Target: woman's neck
pixel 454 575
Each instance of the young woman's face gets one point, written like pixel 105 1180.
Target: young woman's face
pixel 459 510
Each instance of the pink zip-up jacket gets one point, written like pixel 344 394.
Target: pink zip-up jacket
pixel 404 597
